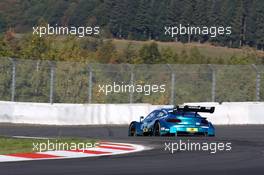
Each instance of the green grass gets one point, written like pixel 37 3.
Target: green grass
pixel 205 49
pixel 10 145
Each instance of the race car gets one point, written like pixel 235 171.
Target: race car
pixel 176 121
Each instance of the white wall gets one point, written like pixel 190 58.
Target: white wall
pixel 86 114
pixel 72 114
pixel 229 113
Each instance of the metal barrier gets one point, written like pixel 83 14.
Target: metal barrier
pixel 74 82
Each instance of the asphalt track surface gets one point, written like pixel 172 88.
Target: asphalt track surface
pixel 246 156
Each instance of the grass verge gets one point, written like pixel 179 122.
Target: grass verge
pixel 10 145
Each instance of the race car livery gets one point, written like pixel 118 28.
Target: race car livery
pixel 176 121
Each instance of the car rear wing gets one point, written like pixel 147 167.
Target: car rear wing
pixel 187 108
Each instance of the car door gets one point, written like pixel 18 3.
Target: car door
pixel 158 115
pixel 152 120
pixel 146 122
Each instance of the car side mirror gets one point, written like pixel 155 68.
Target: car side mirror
pixel 141 118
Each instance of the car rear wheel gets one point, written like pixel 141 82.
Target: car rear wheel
pixel 132 130
pixel 156 131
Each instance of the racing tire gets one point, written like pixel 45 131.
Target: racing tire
pixel 132 130
pixel 156 130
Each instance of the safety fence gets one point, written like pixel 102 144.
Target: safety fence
pixel 75 82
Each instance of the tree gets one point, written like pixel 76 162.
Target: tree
pixel 5 50
pixel 129 54
pixel 119 16
pixel 187 17
pixel 79 12
pixel 141 23
pixel 143 19
pixel 150 54
pixel 237 25
pixel 34 47
pixel 160 18
pixel 195 56
pixel 260 25
pixel 215 18
pixel 106 52
pixel 201 19
pixel 2 23
pixel 250 31
pixel 168 56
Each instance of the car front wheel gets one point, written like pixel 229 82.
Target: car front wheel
pixel 156 131
pixel 132 130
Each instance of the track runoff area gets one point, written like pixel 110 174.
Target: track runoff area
pixel 245 157
pixel 101 149
pixel 235 149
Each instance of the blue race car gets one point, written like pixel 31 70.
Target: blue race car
pixel 180 120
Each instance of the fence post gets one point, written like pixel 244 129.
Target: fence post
pixel 13 85
pixel 257 82
pixel 131 82
pixel 172 102
pixel 213 83
pixel 90 85
pixel 52 67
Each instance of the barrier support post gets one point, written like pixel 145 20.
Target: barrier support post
pixel 213 86
pixel 257 82
pixel 13 84
pixel 52 70
pixel 131 82
pixel 172 102
pixel 90 85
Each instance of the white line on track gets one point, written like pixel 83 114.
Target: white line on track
pixel 105 148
